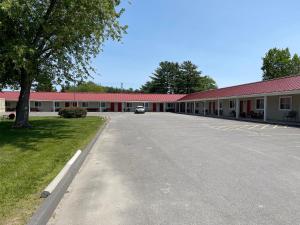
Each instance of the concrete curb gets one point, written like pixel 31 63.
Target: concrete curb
pixel 51 187
pixel 46 209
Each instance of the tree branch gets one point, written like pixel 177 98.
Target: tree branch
pixel 44 20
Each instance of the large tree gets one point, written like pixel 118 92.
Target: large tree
pixel 52 39
pixel 279 63
pixel 206 83
pixel 163 79
pixel 172 77
pixel 190 79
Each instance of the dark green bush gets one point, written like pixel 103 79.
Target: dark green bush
pixel 11 116
pixel 72 112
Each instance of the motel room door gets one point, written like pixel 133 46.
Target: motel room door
pixel 214 107
pixel 119 106
pixel 161 107
pixel 248 106
pixel 241 107
pixel 154 107
pixel 112 106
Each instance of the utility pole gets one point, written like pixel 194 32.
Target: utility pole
pixel 74 93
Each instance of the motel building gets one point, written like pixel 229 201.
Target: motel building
pixel 273 100
pixel 93 102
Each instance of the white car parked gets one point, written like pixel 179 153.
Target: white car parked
pixel 139 109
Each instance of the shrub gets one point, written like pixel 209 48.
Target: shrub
pixel 72 112
pixel 11 116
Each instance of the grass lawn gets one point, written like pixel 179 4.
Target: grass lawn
pixel 31 158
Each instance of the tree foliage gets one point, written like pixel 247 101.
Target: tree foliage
pixel 52 39
pixel 89 86
pixel 279 63
pixel 163 80
pixel 44 84
pixel 172 77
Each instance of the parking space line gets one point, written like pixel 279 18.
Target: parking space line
pixel 296 157
pixel 233 127
pixel 250 128
pixel 264 126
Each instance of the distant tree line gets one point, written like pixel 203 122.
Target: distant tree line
pixel 90 86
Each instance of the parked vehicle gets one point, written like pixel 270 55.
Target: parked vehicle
pixel 139 109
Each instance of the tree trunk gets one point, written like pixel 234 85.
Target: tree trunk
pixel 22 110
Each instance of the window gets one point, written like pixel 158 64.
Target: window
pixel 231 104
pixel 7 104
pixel 74 104
pixel 285 103
pixel 221 105
pixel 85 104
pixel 146 104
pixel 197 104
pixel 37 104
pixel 129 104
pixel 102 104
pixel 260 104
pixel 57 104
pixel 169 105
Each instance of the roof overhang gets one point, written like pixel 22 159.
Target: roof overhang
pixel 245 96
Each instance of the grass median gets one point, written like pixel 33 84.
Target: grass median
pixel 31 158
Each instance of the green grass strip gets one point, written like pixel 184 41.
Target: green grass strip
pixel 31 158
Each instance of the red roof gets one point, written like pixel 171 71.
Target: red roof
pixel 108 97
pixel 291 83
pixel 286 84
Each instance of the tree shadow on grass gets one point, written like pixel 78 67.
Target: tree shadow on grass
pixel 27 139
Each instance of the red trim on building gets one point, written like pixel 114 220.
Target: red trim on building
pixel 248 106
pixel 112 106
pixel 119 107
pixel 104 97
pixel 154 107
pixel 286 84
pixel 291 83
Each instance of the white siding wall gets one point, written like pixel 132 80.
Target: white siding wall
pixel 2 105
pixel 273 111
pixel 45 106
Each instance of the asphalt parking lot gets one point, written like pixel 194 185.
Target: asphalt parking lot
pixel 171 169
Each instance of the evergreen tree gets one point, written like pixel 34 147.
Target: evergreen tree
pixel 177 78
pixel 189 78
pixel 163 79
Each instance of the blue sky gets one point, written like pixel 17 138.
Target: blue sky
pixel 226 39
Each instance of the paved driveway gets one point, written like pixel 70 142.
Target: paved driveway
pixel 170 169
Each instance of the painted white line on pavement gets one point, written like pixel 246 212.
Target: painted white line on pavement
pixel 296 157
pixel 250 128
pixel 232 127
pixel 264 126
